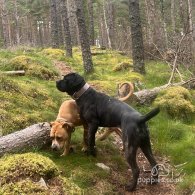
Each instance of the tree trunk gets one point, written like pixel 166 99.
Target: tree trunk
pixel 4 24
pixel 164 23
pixel 17 30
pixel 84 38
pixel 71 8
pixel 149 28
pixel 106 25
pixel 137 39
pixel 91 22
pixel 54 25
pixel 192 42
pixel 59 22
pixel 173 15
pixel 67 36
pixel 35 136
pixel 111 23
pixel 181 11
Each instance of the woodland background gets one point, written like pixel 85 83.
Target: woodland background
pixel 166 25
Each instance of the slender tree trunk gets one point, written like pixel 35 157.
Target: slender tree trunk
pixel 149 28
pixel 182 21
pixel 59 22
pixel 84 38
pixel 111 22
pixel 173 15
pixel 17 30
pixel 72 21
pixel 192 42
pixel 67 36
pixel 164 23
pixel 5 29
pixel 91 22
pixel 54 25
pixel 137 39
pixel 106 25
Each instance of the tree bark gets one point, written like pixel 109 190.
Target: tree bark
pixel 71 8
pixel 91 22
pixel 84 37
pixel 54 25
pixel 192 42
pixel 35 136
pixel 137 39
pixel 173 15
pixel 17 30
pixel 5 29
pixel 67 36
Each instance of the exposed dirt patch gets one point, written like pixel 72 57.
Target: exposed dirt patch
pixel 63 68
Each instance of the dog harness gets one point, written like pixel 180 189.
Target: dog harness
pixel 79 93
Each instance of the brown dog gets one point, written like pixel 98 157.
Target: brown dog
pixel 68 118
pixel 62 128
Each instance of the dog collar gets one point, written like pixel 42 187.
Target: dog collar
pixel 79 93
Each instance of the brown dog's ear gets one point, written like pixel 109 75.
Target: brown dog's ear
pixel 68 126
pixel 51 124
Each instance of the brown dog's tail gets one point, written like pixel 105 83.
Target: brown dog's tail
pixel 148 116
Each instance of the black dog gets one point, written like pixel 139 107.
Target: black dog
pixel 100 110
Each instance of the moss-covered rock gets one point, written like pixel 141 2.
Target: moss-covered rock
pixel 32 66
pixel 21 174
pixel 53 53
pixel 177 102
pixel 122 66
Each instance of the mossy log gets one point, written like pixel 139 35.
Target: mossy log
pixel 35 136
pixel 147 96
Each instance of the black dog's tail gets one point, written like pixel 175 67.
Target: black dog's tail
pixel 150 115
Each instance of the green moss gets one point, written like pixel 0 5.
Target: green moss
pixel 32 66
pixel 13 167
pixel 22 102
pixel 20 174
pixel 176 102
pixel 122 66
pixel 53 53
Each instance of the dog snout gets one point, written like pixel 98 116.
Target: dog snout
pixel 54 147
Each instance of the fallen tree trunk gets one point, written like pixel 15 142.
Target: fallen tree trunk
pixel 35 136
pixel 147 96
pixel 16 72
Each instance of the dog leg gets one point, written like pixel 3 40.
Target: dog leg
pixel 91 139
pixel 146 149
pixel 131 159
pixel 85 138
pixel 67 146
